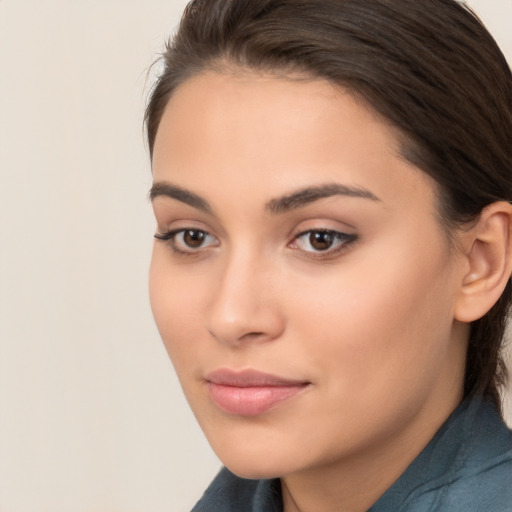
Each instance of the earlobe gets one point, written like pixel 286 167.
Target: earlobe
pixel 489 259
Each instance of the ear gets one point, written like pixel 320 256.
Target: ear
pixel 489 259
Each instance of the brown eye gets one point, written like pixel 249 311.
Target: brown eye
pixel 188 241
pixel 194 238
pixel 321 240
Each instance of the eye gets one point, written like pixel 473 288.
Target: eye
pixel 322 241
pixel 188 240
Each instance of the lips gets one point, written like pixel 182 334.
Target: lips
pixel 250 393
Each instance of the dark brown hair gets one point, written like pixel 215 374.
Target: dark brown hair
pixel 430 67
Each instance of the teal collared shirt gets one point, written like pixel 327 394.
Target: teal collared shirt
pixel 466 467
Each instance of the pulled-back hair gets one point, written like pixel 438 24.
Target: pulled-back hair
pixel 429 67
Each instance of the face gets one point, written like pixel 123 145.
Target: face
pixel 300 279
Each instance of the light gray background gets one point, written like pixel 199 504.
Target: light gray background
pixel 91 415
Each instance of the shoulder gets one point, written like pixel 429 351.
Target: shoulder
pixel 466 467
pixel 480 476
pixel 230 493
pixel 472 489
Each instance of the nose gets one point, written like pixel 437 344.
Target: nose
pixel 244 306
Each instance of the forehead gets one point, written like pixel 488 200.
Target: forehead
pixel 246 129
pixel 245 111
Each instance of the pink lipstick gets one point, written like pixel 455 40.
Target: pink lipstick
pixel 249 392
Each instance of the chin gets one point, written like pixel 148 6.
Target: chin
pixel 255 470
pixel 260 460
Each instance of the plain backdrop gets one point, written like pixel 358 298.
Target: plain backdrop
pixel 91 415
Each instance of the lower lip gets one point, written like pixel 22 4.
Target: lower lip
pixel 252 400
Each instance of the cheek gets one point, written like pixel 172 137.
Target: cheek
pixel 379 326
pixel 175 302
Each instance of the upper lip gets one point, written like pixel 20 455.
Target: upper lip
pixel 249 378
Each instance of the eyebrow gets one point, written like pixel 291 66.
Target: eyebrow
pixel 180 194
pixel 308 195
pixel 293 201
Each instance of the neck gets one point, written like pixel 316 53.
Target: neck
pixel 355 483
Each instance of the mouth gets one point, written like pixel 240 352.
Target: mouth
pixel 250 392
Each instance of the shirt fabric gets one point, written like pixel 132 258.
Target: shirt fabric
pixel 466 467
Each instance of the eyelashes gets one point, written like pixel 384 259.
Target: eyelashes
pixel 313 242
pixel 188 241
pixel 322 241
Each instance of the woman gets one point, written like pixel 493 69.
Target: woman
pixel 331 269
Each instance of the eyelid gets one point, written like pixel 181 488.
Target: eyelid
pixel 345 240
pixel 169 237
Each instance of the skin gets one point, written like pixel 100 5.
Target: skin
pixel 369 324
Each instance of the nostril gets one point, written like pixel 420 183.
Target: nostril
pixel 252 335
pixel 231 337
